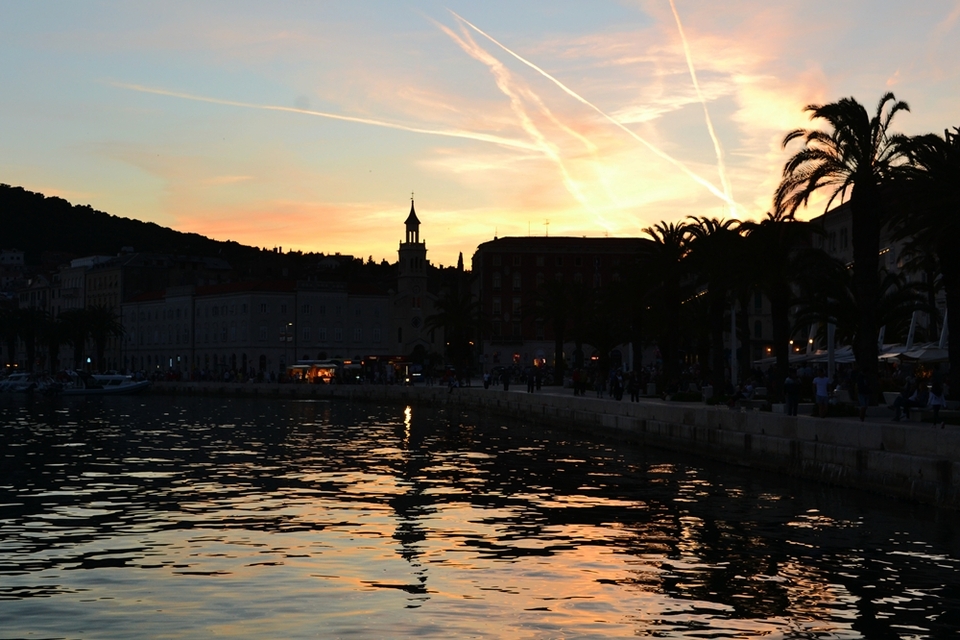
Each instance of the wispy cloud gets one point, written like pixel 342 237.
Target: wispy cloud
pixel 576 96
pixel 469 135
pixel 721 168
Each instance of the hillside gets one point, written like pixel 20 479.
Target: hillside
pixel 35 223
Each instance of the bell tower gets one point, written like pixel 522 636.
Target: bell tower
pixel 413 252
pixel 412 303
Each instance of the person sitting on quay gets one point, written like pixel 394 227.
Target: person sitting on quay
pixel 904 402
pixel 936 401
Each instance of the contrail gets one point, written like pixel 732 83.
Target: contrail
pixel 504 82
pixel 573 94
pixel 721 169
pixel 470 135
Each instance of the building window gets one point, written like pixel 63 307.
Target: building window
pixel 496 281
pixel 496 328
pixel 540 261
pixel 358 334
pixel 757 329
pixel 337 334
pixel 844 241
pixel 322 309
pixel 358 312
pixel 538 327
pixel 559 261
pixel 400 334
pixel 263 333
pixel 517 261
pixel 322 334
pixel 758 301
pixel 516 330
pixel 516 281
pixel 263 307
pixel 540 279
pixel 578 277
pixel 337 310
pixel 516 306
pixel 376 335
pixel 496 306
pixel 306 334
pixel 243 308
pixel 305 309
pixel 496 260
pixel 283 309
pixel 578 261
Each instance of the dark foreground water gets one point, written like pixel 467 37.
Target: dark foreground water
pixel 151 517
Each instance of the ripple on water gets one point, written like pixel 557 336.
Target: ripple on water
pixel 258 519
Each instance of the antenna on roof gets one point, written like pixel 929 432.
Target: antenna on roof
pixel 546 223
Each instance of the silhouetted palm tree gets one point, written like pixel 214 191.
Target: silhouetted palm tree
pixel 833 302
pixel 665 262
pixel 77 329
pixel 458 315
pixel 8 334
pixel 29 322
pixel 103 324
pixel 781 258
pixel 931 216
pixel 53 334
pixel 859 158
pixel 716 257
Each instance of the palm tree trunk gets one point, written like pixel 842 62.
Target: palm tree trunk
pixel 780 317
pixel 743 329
pixel 558 354
pixel 933 330
pixel 718 307
pixel 669 349
pixel 866 282
pixel 950 270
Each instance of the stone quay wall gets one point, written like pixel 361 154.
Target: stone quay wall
pixel 913 461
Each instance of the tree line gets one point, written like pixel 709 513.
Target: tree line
pixel 681 286
pixel 43 335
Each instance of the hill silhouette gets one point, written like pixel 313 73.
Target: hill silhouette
pixel 43 226
pixel 35 223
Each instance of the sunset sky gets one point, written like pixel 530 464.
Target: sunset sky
pixel 307 125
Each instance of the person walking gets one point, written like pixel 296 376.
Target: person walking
pixel 821 392
pixel 791 388
pixel 863 392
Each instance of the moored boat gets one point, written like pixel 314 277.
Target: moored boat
pixel 82 383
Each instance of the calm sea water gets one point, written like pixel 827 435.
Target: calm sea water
pixel 149 517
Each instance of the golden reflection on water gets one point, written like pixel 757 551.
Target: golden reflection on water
pixel 309 522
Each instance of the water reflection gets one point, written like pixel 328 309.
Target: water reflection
pixel 296 519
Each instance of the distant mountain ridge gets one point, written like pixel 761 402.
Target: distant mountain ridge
pixel 35 223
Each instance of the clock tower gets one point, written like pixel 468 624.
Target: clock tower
pixel 412 303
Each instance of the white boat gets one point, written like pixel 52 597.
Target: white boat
pixel 18 383
pixel 81 383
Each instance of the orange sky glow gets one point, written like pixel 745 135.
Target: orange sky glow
pixel 308 126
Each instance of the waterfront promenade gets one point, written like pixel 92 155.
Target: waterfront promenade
pixel 909 460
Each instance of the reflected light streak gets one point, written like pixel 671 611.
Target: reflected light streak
pixel 468 135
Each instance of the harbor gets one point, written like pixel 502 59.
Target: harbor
pixel 906 460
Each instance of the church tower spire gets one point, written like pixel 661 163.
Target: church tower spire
pixel 413 224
